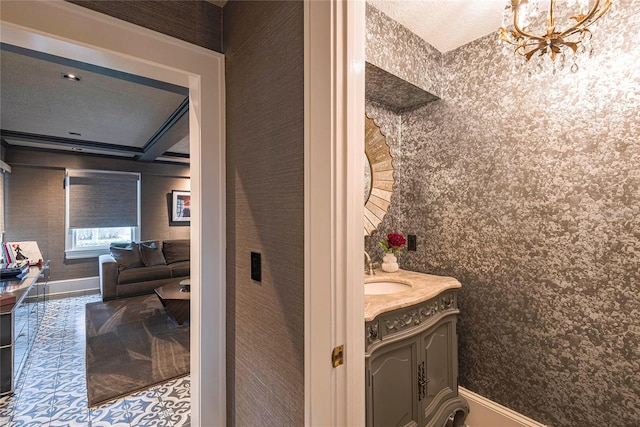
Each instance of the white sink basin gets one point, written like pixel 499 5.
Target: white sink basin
pixel 385 287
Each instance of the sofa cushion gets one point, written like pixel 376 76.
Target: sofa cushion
pixel 176 250
pixel 151 253
pixel 144 274
pixel 180 269
pixel 127 257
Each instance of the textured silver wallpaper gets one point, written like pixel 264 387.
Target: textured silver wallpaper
pixel 528 191
pixel 397 50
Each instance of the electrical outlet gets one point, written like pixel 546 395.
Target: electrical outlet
pixel 256 266
pixel 412 243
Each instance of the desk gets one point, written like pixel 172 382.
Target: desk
pixel 19 322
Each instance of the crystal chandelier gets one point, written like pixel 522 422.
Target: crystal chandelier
pixel 535 33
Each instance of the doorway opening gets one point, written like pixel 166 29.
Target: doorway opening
pixel 70 31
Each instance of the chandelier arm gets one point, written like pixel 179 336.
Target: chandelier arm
pixel 551 22
pixel 590 15
pixel 575 31
pixel 520 30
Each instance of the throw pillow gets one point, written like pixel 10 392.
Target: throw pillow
pixel 127 257
pixel 176 250
pixel 151 254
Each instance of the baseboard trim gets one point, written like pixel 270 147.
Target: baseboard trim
pixel 72 287
pixel 486 413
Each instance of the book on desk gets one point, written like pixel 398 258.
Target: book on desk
pixel 13 270
pixel 28 251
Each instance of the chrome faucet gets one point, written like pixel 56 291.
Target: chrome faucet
pixel 368 264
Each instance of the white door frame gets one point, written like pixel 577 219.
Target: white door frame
pixel 334 211
pixel 74 32
pixel 334 80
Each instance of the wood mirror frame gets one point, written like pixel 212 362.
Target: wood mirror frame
pixel 381 166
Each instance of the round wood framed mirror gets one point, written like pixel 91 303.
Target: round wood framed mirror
pixel 378 176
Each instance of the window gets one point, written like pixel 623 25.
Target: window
pixel 100 237
pixel 102 207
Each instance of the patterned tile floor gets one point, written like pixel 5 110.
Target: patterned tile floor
pixel 51 390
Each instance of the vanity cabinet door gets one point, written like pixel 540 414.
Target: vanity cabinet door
pixel 392 385
pixel 440 378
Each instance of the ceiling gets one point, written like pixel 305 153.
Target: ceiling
pixel 445 24
pixel 117 114
pixel 105 112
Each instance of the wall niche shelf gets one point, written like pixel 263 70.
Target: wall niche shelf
pixel 392 91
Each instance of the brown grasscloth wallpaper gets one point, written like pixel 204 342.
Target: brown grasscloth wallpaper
pixel 264 54
pixel 35 203
pixel 194 21
pixel 527 189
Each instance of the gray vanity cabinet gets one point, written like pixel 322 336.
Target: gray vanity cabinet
pixel 412 366
pixel 439 376
pixel 392 382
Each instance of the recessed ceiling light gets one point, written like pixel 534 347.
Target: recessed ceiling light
pixel 71 77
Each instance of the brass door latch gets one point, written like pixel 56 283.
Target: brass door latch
pixel 337 356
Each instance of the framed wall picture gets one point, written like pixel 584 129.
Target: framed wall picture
pixel 180 206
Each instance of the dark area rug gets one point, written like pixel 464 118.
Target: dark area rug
pixel 132 344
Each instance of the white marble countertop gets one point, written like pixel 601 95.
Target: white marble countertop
pixel 423 287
